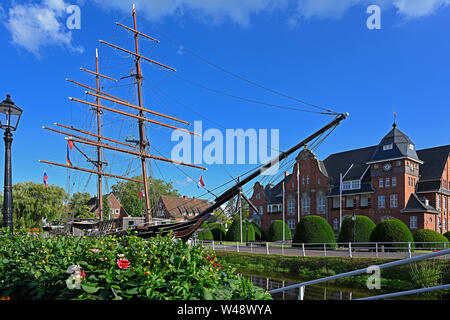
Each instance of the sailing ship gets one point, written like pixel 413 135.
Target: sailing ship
pixel 140 148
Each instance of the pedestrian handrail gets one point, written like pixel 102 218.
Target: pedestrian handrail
pixel 302 285
pixel 405 293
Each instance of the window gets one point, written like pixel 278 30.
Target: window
pixel 388 147
pixel 336 224
pixel 381 201
pixel 318 180
pixel 356 184
pixel 351 185
pixel 388 182
pixel 291 207
pixel 444 226
pixel 303 180
pixel 258 196
pixel 365 201
pixel 321 204
pixel 336 202
pixel 291 224
pixel 346 185
pixel 438 202
pixel 261 210
pixel 351 202
pixel 380 183
pixel 398 163
pixel 394 200
pixel 305 205
pixel 394 181
pixel 413 222
pixel 307 179
pixel 411 146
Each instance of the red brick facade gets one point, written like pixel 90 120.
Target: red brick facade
pixel 383 182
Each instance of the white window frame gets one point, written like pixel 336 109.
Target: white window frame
pixel 394 181
pixel 394 200
pixel 388 147
pixel 413 222
pixel 321 204
pixel 382 202
pixel 291 207
pixel 335 224
pixel 306 205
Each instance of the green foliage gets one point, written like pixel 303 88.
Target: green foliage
pixel 218 232
pixel 234 232
pixel 313 229
pixel 260 235
pixel 391 230
pixel 275 232
pixel 33 201
pixel 127 192
pixel 447 235
pixel 205 234
pixel 363 229
pixel 425 274
pixel 162 268
pixel 427 235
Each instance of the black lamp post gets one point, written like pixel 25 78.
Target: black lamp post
pixel 9 119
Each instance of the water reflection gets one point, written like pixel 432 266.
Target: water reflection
pixel 315 292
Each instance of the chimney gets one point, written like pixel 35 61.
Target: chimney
pixel 185 197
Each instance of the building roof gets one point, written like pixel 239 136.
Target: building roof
pixel 338 163
pixel 418 204
pixel 178 206
pixel 402 147
pixel 434 162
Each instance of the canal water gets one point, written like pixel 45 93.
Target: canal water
pixel 325 291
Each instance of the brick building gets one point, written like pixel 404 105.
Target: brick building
pixel 391 179
pixel 179 208
pixel 115 208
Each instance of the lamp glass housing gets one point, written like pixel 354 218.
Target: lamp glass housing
pixel 9 114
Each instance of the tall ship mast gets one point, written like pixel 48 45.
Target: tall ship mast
pixel 140 147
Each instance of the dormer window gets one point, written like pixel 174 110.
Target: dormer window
pixel 388 147
pixel 411 146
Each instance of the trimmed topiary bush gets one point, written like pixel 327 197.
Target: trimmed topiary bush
pixel 218 232
pixel 313 229
pixel 363 229
pixel 428 235
pixel 234 233
pixel 447 235
pixel 260 235
pixel 205 233
pixel 391 230
pixel 275 232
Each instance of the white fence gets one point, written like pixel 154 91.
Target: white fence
pixel 396 250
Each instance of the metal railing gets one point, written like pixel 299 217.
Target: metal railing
pixel 301 286
pixel 341 249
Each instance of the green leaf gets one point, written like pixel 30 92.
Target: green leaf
pixel 89 289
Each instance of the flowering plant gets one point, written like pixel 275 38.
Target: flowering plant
pixel 128 267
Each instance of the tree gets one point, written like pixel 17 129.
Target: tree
pixel 391 230
pixel 275 232
pixel 313 229
pixel 421 237
pixel 127 192
pixel 234 233
pixel 78 203
pixel 33 201
pixel 363 229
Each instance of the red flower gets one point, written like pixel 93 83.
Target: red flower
pixel 212 260
pixel 123 263
pixel 82 274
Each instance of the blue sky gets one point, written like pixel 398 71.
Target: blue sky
pixel 318 51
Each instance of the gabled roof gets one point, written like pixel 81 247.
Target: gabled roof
pixel 418 204
pixel 434 162
pixel 177 206
pixel 400 147
pixel 338 163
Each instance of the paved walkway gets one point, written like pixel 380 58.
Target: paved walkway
pixel 344 252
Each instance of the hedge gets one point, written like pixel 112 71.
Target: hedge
pixel 218 232
pixel 428 235
pixel 391 230
pixel 313 229
pixel 447 235
pixel 275 232
pixel 234 232
pixel 363 228
pixel 260 235
pixel 34 267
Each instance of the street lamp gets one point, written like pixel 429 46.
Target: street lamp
pixel 9 119
pixel 354 227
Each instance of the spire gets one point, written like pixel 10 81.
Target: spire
pixel 395 120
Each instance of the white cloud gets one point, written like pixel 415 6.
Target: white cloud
pixel 238 11
pixel 36 26
pixel 418 8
